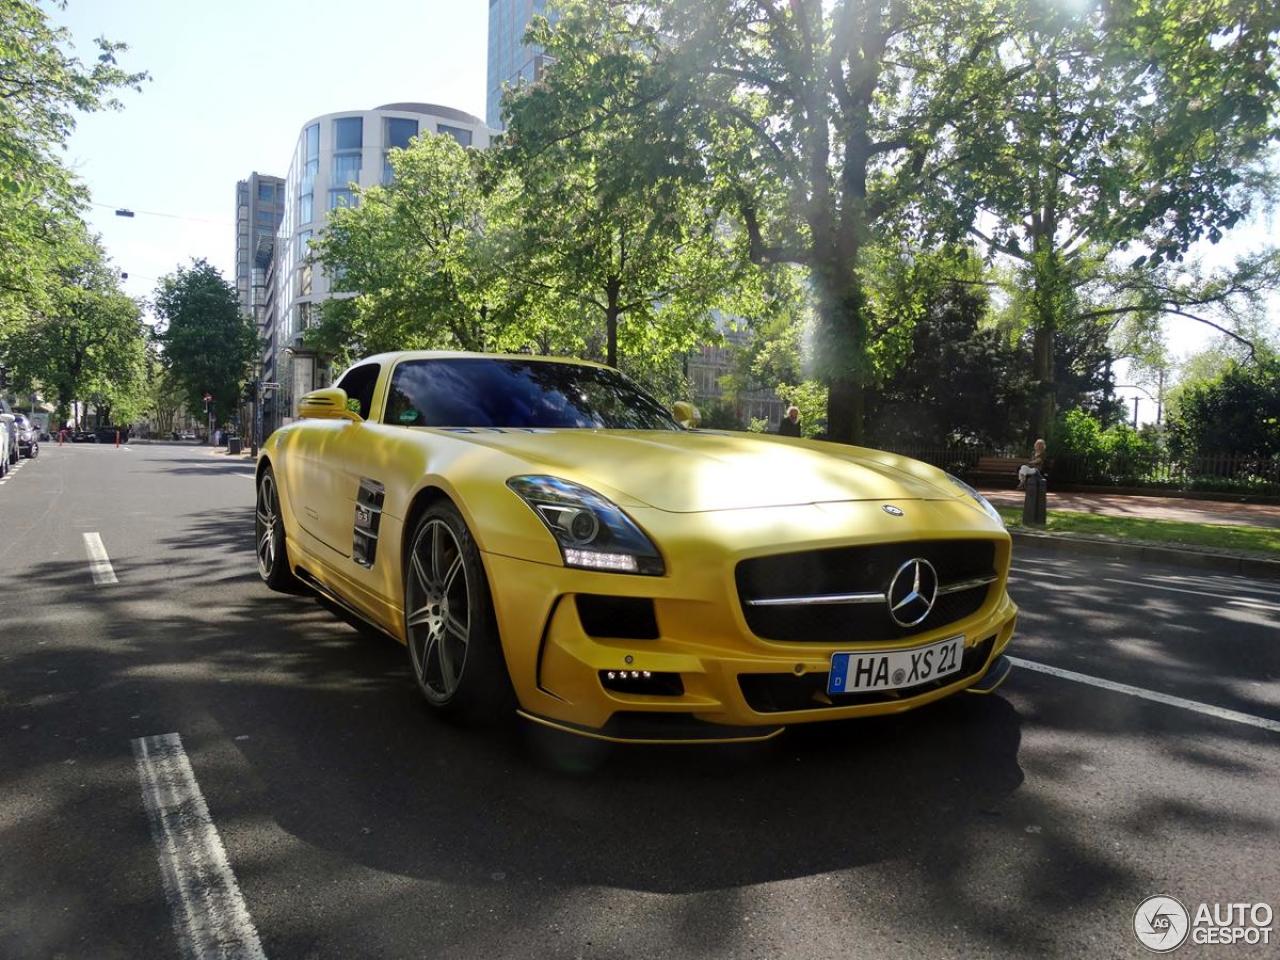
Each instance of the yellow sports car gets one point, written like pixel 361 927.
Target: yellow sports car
pixel 545 537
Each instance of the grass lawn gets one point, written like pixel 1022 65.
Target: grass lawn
pixel 1252 539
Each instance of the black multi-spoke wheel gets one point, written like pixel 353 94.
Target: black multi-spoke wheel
pixel 268 529
pixel 449 623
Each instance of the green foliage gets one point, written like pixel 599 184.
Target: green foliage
pixel 614 228
pixel 1235 412
pixel 88 343
pixel 947 374
pixel 810 396
pixel 428 258
pixel 1081 450
pixel 208 344
pixel 1096 126
pixel 42 87
pixel 820 125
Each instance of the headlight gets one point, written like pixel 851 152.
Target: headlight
pixel 592 532
pixel 982 501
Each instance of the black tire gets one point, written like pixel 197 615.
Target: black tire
pixel 268 536
pixel 452 634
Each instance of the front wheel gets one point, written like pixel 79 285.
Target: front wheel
pixel 450 627
pixel 268 528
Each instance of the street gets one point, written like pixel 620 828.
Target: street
pixel 1134 751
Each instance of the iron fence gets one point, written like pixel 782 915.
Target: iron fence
pixel 1222 473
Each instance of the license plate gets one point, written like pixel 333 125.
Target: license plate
pixel 891 670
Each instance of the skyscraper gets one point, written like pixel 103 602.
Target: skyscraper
pixel 259 208
pixel 510 61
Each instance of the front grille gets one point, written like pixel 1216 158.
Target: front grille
pixel 781 692
pixel 861 569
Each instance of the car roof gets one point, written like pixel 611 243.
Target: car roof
pixel 397 355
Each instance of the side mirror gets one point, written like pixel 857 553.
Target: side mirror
pixel 686 414
pixel 327 404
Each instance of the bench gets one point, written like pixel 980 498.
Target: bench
pixel 995 470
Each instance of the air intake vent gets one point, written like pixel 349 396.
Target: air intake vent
pixel 622 618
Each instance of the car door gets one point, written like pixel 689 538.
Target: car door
pixel 339 455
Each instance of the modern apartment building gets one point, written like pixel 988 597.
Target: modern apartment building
pixel 335 153
pixel 259 209
pixel 510 61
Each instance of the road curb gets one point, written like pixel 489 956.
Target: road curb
pixel 1174 556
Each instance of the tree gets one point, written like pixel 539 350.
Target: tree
pixel 88 343
pixel 820 123
pixel 1235 412
pixel 42 88
pixel 614 231
pixel 208 343
pixel 1095 128
pixel 426 258
pixel 957 377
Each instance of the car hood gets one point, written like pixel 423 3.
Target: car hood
pixel 696 471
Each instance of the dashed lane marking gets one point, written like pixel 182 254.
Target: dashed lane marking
pixel 1220 713
pixel 99 562
pixel 209 914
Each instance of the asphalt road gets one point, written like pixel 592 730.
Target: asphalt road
pixel 1028 823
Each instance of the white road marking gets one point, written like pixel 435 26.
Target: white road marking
pixel 99 562
pixel 1254 602
pixel 209 914
pixel 1221 713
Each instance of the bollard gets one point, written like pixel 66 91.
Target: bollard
pixel 117 439
pixel 1035 503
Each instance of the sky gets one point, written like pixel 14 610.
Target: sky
pixel 233 83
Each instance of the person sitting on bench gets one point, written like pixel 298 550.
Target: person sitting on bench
pixel 1035 466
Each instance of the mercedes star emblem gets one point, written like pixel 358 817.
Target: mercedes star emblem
pixel 912 591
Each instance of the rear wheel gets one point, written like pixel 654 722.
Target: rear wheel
pixel 449 623
pixel 268 527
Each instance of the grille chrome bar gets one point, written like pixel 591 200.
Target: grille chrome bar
pixel 961 585
pixel 832 599
pixel 818 600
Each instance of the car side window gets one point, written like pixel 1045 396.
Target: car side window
pixel 402 407
pixel 359 383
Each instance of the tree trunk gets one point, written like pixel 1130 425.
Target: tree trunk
pixel 843 362
pixel 612 289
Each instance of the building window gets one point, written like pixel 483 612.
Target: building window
pixel 460 134
pixel 346 169
pixel 266 193
pixel 348 134
pixel 310 167
pixel 341 198
pixel 400 132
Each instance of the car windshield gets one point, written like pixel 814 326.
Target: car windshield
pixel 487 392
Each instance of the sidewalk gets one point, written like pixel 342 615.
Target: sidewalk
pixel 1150 508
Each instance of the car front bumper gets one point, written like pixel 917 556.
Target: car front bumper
pixel 733 685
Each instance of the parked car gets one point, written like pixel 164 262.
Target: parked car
pixel 11 434
pixel 27 437
pixel 6 430
pixel 84 436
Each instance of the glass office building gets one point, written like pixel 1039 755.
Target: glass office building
pixel 510 61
